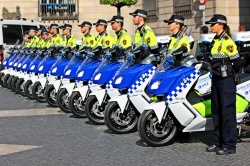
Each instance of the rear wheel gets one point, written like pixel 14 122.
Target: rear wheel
pixel 154 133
pixel 2 79
pixel 93 110
pixel 118 122
pixel 76 105
pixel 63 100
pixel 38 92
pixel 50 95
pixel 28 89
pixel 19 87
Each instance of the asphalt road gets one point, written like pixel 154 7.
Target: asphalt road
pixel 33 134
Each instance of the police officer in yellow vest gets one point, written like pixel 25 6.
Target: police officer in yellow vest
pixel 56 38
pixel 39 35
pixel 121 37
pixel 144 34
pixel 88 38
pixel 103 39
pixel 69 39
pixel 225 63
pixel 26 39
pixel 34 40
pixel 46 41
pixel 179 46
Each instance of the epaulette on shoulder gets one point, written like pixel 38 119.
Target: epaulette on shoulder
pixel 226 37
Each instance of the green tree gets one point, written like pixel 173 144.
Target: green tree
pixel 118 4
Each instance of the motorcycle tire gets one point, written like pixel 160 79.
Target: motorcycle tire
pixel 50 95
pixel 120 123
pixel 155 134
pixel 38 92
pixel 76 105
pixel 5 79
pixel 19 87
pixel 9 81
pixel 63 100
pixel 28 89
pixel 93 111
pixel 14 84
pixel 2 79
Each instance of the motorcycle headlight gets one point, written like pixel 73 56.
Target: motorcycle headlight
pixel 40 68
pixel 24 66
pixel 4 62
pixel 155 85
pixel 54 70
pixel 118 80
pixel 68 72
pixel 11 63
pixel 19 65
pixel 32 67
pixel 15 64
pixel 80 74
pixel 98 76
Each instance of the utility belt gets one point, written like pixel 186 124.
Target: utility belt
pixel 225 70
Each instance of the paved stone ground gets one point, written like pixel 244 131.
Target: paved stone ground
pixel 62 140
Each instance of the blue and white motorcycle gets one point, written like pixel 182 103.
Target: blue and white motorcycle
pixel 122 112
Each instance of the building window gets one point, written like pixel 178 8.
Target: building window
pixel 151 7
pixel 183 7
pixel 58 9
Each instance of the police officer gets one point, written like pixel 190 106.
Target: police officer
pixel 69 39
pixel 46 41
pixel 34 40
pixel 26 39
pixel 225 63
pixel 39 35
pixel 56 38
pixel 144 34
pixel 88 38
pixel 179 47
pixel 121 37
pixel 103 39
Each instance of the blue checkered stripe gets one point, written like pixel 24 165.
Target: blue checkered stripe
pixel 142 79
pixel 109 85
pixel 186 81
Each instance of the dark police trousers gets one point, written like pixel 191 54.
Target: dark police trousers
pixel 223 100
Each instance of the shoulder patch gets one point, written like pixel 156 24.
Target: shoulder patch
pixel 225 37
pixel 230 48
pixel 124 42
pixel 184 44
pixel 91 41
pixel 148 40
pixel 107 42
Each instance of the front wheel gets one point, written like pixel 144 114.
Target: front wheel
pixel 14 84
pixel 5 79
pixel 28 89
pixel 63 100
pixel 19 87
pixel 2 79
pixel 76 105
pixel 50 95
pixel 118 122
pixel 94 112
pixel 154 133
pixel 38 92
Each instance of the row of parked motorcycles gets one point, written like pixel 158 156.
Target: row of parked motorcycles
pixel 108 87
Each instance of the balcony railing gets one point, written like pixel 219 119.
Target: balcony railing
pixel 58 10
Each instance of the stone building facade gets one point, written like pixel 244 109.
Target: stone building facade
pixel 237 12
